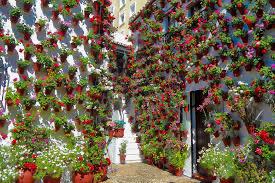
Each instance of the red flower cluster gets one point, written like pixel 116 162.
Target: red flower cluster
pixel 30 166
pixel 264 135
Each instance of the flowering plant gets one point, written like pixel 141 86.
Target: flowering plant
pixel 52 161
pixel 8 167
pixel 219 162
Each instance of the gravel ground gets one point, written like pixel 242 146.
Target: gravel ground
pixel 143 173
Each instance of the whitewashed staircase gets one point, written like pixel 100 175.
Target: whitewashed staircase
pixel 132 151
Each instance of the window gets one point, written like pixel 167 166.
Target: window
pixel 132 9
pixel 122 3
pixel 121 18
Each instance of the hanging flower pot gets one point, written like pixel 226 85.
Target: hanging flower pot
pixel 241 8
pixel 272 3
pixel 20 91
pixel 223 74
pixel 236 141
pixel 260 13
pixel 27 56
pixel 95 29
pixel 45 3
pixel 4 2
pixel 37 88
pixel 226 141
pixel 119 132
pixel 122 158
pixel 83 177
pixel 237 72
pixel 11 47
pixel 248 67
pixel 236 125
pixel 96 7
pixel 37 66
pixel 69 90
pixel 216 134
pixel 55 14
pixel 50 179
pixel 250 128
pixel 69 107
pixel 9 102
pixel 2 122
pixel 219 3
pixel 27 7
pixel 25 176
pixel 245 39
pixel 63 57
pixel 21 70
pixel 111 133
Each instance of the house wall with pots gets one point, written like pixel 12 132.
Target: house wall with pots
pixel 54 16
pixel 264 110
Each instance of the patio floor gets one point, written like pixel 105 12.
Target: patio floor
pixel 143 173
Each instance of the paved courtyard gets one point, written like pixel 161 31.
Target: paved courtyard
pixel 142 173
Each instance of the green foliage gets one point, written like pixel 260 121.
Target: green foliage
pixel 177 158
pixel 8 167
pixel 122 149
pixel 23 28
pixel 15 11
pixel 23 63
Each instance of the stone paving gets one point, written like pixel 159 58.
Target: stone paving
pixel 143 173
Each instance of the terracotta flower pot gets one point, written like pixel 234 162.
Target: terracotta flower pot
pixel 226 141
pixel 83 177
pixel 69 107
pixel 55 14
pixel 237 72
pixel 9 102
pixel 111 133
pixel 21 70
pixel 250 128
pixel 171 169
pixel 27 7
pixel 14 19
pixel 63 57
pixel 96 7
pixel 227 180
pixel 216 134
pixel 11 47
pixel 37 66
pixel 2 122
pixel 49 179
pixel 236 141
pixel 248 67
pixel 178 172
pixel 25 177
pixel 272 3
pixel 21 92
pixel 149 160
pixel 27 56
pixel 4 2
pixel 119 132
pixel 122 158
pixel 45 3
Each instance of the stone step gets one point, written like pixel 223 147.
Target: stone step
pixel 133 157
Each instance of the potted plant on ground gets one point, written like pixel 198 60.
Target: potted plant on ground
pixel 52 163
pixel 122 152
pixel 177 161
pixel 119 128
pixel 15 14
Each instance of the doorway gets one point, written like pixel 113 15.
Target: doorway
pixel 200 138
